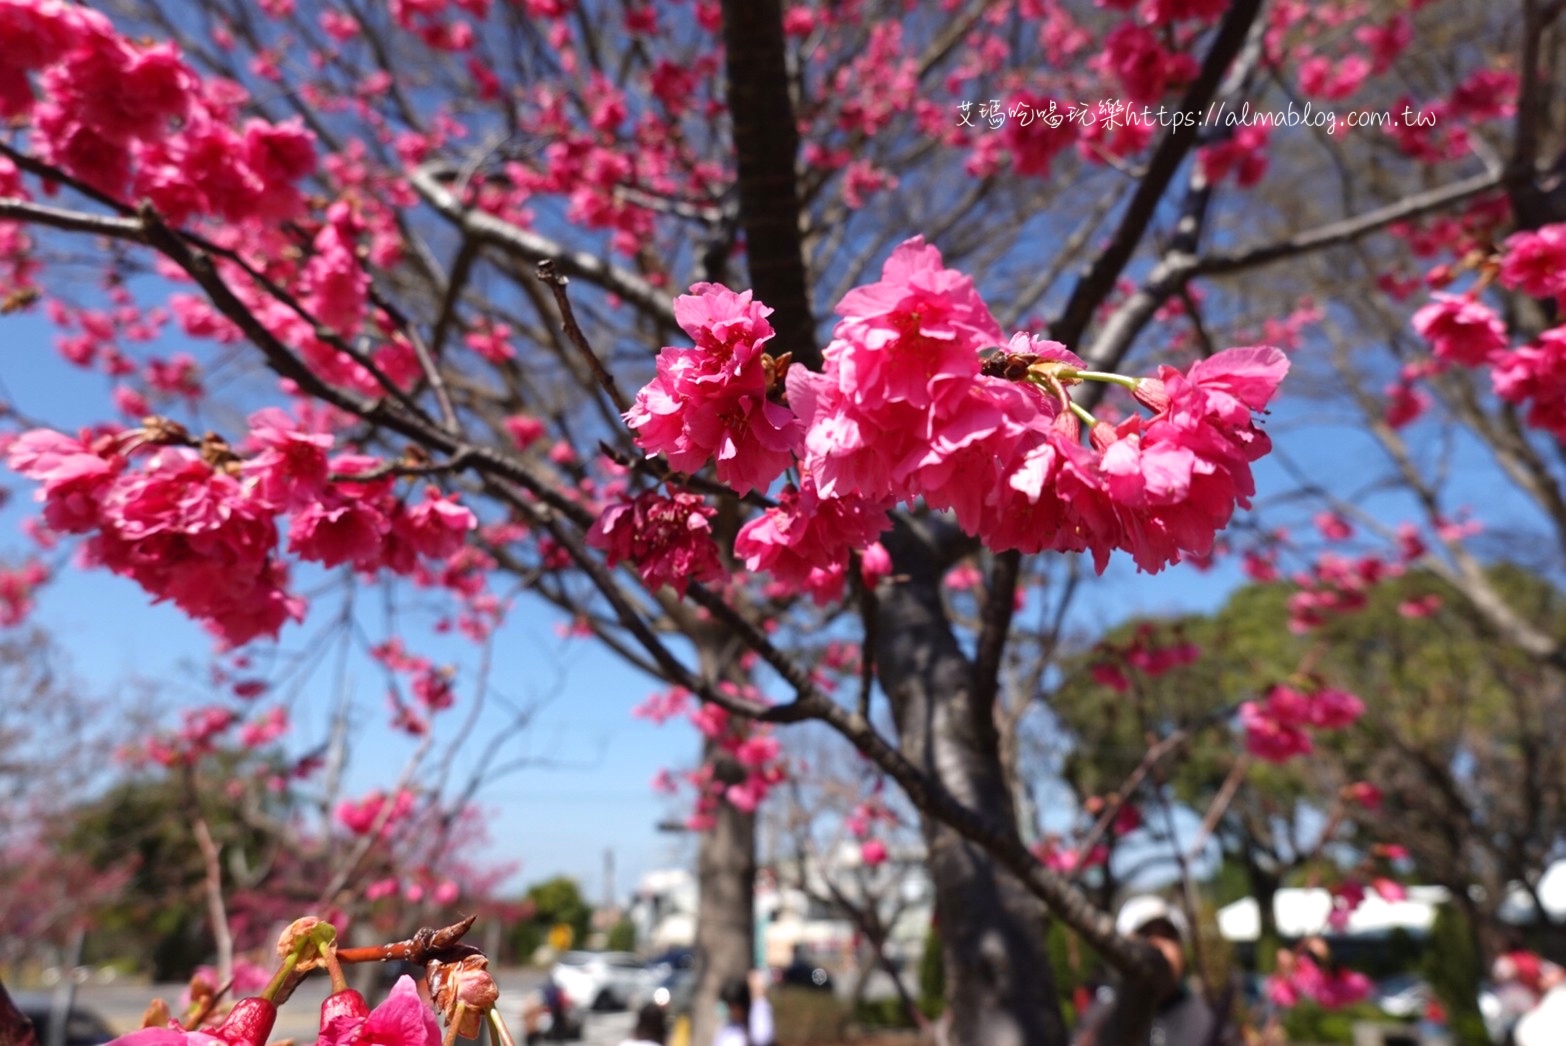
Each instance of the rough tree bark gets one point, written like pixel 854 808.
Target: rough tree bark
pixel 1000 988
pixel 766 149
pixel 726 911
pixel 725 870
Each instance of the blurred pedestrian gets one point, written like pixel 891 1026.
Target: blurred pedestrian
pixel 651 1027
pixel 1181 1017
pixel 748 1012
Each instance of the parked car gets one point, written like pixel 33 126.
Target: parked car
pixel 1403 996
pixel 83 1027
pixel 673 959
pixel 602 980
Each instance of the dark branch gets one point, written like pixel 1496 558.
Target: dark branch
pixel 766 147
pixel 1099 280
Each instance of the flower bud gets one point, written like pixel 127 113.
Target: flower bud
pixel 292 939
pixel 1067 424
pixel 468 983
pixel 1151 393
pixel 156 1015
pixel 346 1005
pixel 249 1023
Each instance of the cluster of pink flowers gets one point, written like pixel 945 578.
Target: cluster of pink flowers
pixel 1055 855
pixel 404 1019
pixel 1144 654
pixel 360 817
pixel 668 538
pixel 1336 585
pixel 1276 727
pixel 431 685
pixel 710 402
pixel 16 591
pixel 185 531
pixel 118 114
pixel 1299 978
pixel 904 409
pixel 861 825
pixel 1463 331
pixel 752 746
pixel 199 528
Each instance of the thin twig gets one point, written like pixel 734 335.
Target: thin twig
pixel 549 273
pixel 424 945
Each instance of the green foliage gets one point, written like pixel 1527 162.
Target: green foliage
pixel 553 901
pixel 1454 972
pixel 932 976
pixel 159 919
pixel 1308 1022
pixel 882 1013
pixel 622 936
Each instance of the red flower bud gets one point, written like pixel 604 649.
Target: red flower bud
pixel 249 1023
pixel 343 1004
pixel 1151 393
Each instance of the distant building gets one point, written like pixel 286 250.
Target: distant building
pixel 799 919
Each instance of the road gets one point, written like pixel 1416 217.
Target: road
pixel 122 1003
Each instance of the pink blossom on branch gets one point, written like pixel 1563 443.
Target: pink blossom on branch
pixel 668 538
pixel 403 1019
pixel 709 403
pixel 1460 330
pixel 804 542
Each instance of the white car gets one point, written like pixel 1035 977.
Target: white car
pixel 602 980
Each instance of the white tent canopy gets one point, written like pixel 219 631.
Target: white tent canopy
pixel 1302 912
pixel 1518 906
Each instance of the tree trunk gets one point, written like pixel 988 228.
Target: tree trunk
pixel 725 913
pixel 1000 989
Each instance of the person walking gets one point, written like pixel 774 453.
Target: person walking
pixel 651 1027
pixel 748 1017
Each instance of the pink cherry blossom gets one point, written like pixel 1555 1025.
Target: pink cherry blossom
pixel 1460 330
pixel 1535 375
pixel 905 337
pixel 1534 261
pixel 1272 739
pixel 667 537
pixel 402 1020
pixel 663 705
pixel 73 475
pixel 290 463
pixel 807 532
pixel 1364 794
pixel 524 430
pixel 710 402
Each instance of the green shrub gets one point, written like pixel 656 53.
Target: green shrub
pixel 1308 1022
pixel 622 936
pixel 1453 970
pixel 932 976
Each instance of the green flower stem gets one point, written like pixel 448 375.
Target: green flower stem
pixel 1082 413
pixel 280 978
pixel 1104 376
